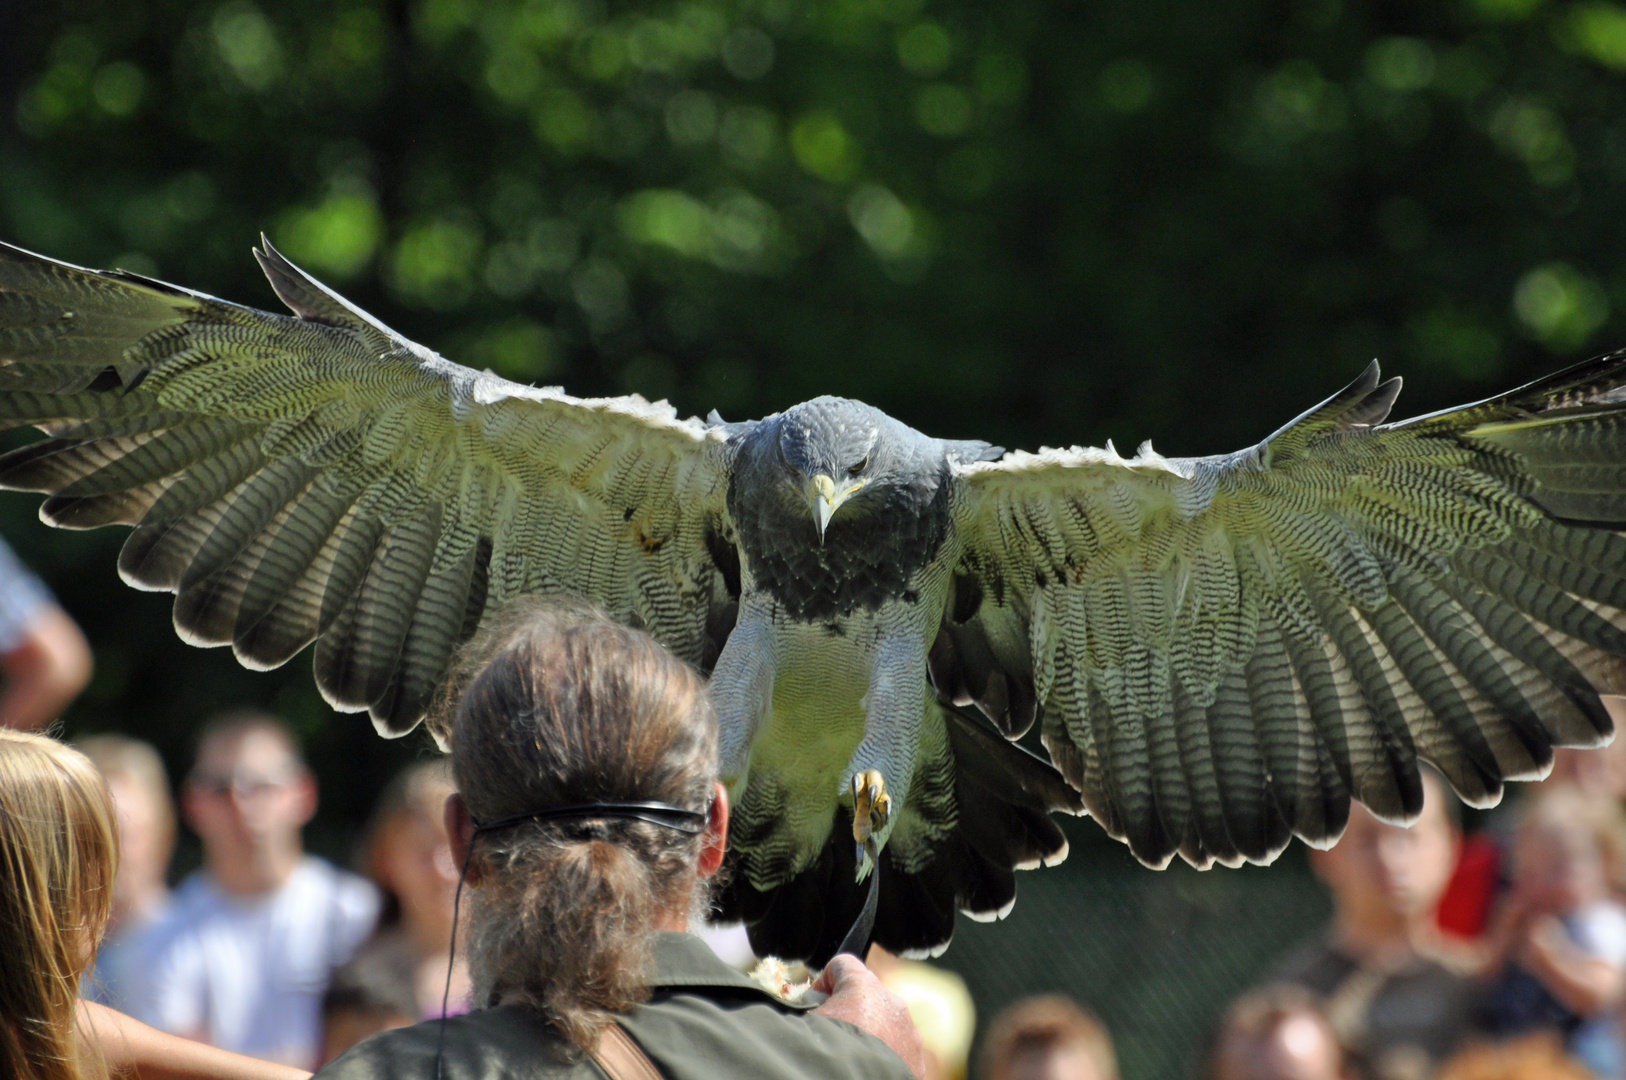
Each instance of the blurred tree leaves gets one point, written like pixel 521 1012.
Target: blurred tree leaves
pixel 1026 221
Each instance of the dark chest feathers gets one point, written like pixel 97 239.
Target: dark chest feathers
pixel 866 560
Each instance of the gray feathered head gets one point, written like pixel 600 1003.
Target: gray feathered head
pixel 835 454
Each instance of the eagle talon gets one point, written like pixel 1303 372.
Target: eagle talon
pixel 872 812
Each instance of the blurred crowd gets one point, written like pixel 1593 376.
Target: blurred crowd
pixel 266 950
pixel 1500 954
pixel 272 952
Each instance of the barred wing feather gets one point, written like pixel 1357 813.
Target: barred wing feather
pixel 318 477
pixel 1227 649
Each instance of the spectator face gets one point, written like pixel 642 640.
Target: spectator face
pixel 1047 1038
pixel 1558 869
pixel 1383 872
pixel 1600 772
pixel 145 841
pixel 1298 1046
pixel 1056 1061
pixel 248 790
pixel 414 860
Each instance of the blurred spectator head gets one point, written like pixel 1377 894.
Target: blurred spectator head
pixel 940 1006
pixel 1568 849
pixel 1047 1038
pixel 1539 1057
pixel 58 858
pixel 136 778
pixel 407 855
pixel 364 997
pixel 1600 771
pixel 1276 1033
pixel 1383 874
pixel 249 789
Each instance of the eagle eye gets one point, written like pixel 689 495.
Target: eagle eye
pixel 860 467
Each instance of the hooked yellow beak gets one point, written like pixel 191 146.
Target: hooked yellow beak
pixel 826 499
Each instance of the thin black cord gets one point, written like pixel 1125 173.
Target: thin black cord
pixel 451 959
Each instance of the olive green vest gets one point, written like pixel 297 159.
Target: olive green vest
pixel 704 1021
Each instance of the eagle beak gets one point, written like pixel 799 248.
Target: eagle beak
pixel 826 499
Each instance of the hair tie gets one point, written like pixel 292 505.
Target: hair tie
pixel 590 829
pixel 678 818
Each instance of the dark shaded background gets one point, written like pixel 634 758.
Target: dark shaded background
pixel 1024 221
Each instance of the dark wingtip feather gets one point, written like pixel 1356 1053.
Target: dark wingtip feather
pixel 309 298
pixel 1362 403
pixel 1375 406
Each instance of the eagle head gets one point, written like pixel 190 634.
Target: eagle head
pixel 833 449
pixel 844 475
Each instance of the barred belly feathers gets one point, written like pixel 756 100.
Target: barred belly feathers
pixel 1219 653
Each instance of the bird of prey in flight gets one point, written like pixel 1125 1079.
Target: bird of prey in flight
pixel 1219 652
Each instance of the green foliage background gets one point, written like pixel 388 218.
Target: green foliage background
pixel 1034 222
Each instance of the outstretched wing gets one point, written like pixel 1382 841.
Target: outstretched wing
pixel 1227 649
pixel 320 478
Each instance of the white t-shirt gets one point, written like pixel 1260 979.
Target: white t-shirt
pixel 120 952
pixel 248 974
pixel 1600 930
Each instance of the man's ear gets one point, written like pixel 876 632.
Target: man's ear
pixel 460 834
pixel 714 843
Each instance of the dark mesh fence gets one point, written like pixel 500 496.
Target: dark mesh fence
pixel 1156 955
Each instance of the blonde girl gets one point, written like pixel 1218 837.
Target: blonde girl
pixel 58 855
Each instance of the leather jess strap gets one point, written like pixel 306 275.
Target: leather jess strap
pixel 622 1058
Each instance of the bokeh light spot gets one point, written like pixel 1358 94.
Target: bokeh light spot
pixel 339 236
pixel 119 87
pixel 1560 306
pixel 925 49
pixel 248 43
pixel 823 147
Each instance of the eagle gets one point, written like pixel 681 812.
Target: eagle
pixel 1219 652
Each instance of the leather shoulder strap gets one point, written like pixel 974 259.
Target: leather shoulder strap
pixel 622 1058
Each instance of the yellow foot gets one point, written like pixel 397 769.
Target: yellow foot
pixel 872 810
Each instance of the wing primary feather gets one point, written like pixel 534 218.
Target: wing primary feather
pixel 1545 698
pixel 1543 601
pixel 355 660
pixel 437 621
pixel 1129 781
pixel 1209 838
pixel 1257 830
pixel 1169 784
pixel 1447 732
pixel 1287 736
pixel 1385 693
pixel 157 554
pixel 279 611
pixel 246 514
pixel 1346 725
